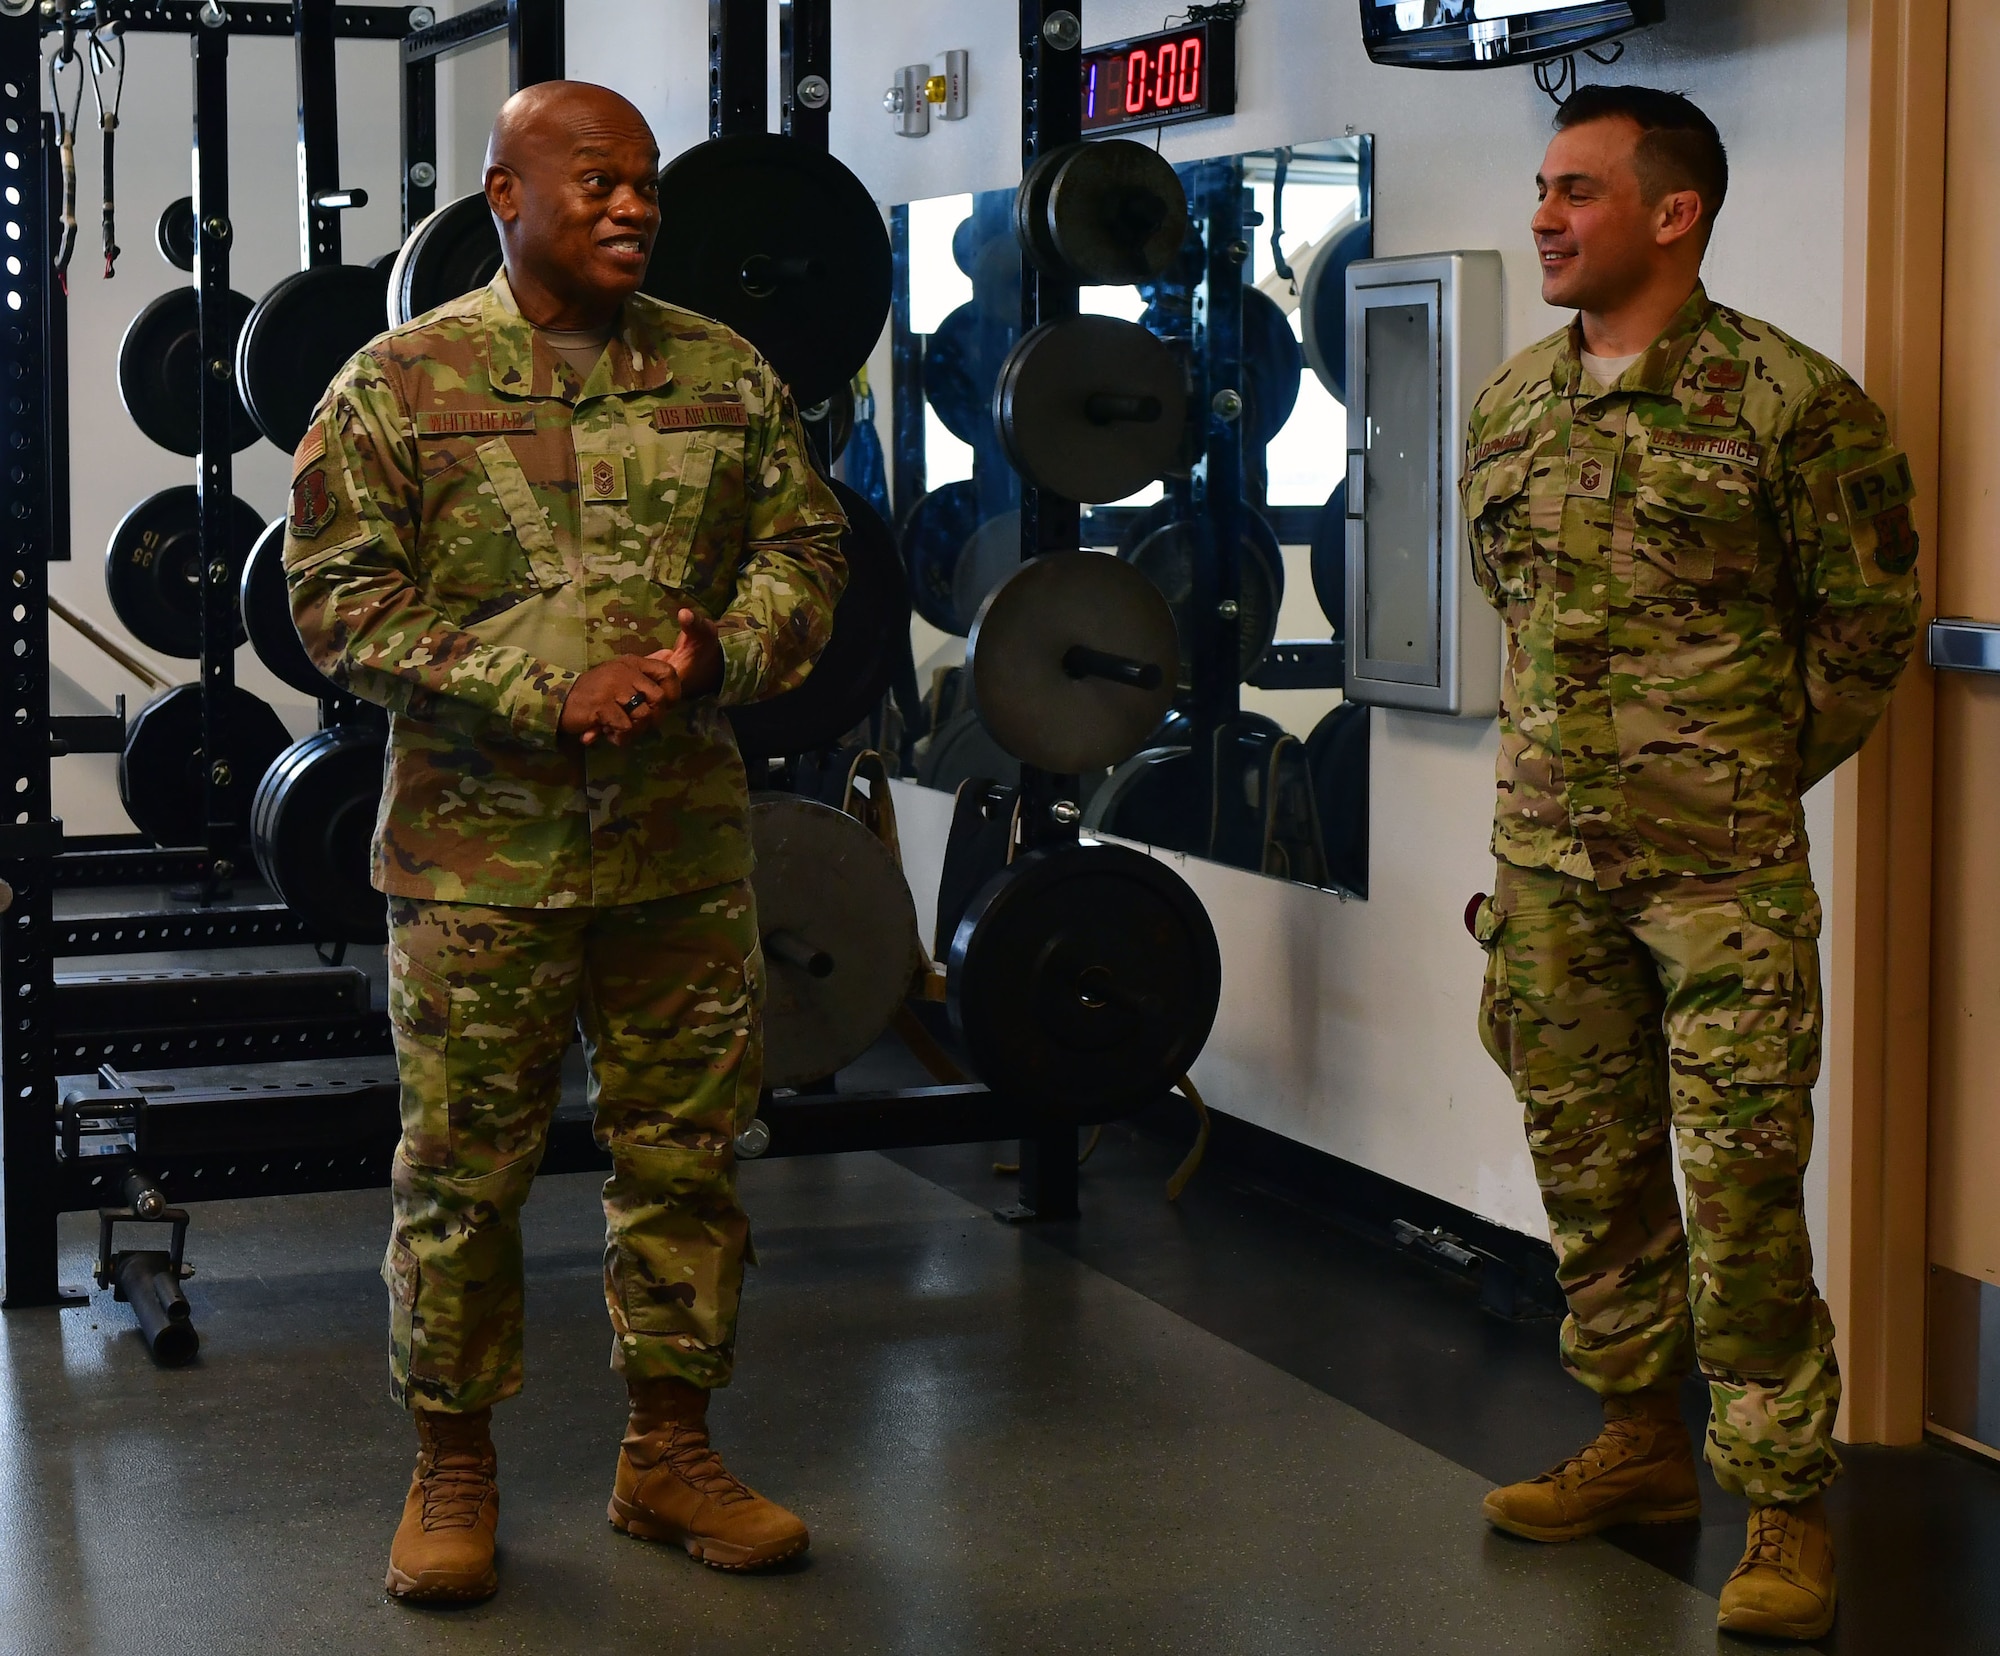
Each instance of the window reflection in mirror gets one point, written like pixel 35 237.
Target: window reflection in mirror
pixel 1283 786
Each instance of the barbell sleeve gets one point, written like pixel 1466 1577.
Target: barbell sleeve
pixel 796 951
pixel 1109 407
pixel 1081 661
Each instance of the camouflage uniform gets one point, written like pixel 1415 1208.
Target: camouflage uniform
pixel 1706 576
pixel 473 525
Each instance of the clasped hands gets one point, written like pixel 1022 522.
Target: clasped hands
pixel 620 699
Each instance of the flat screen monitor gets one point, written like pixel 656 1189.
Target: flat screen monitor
pixel 1489 34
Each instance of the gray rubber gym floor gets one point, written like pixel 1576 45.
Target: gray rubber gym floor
pixel 998 1448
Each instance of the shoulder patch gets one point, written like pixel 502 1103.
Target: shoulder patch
pixel 1869 491
pixel 474 422
pixel 311 447
pixel 691 416
pixel 1705 447
pixel 1505 444
pixel 314 505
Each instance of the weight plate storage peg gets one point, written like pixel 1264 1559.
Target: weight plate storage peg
pixel 1074 661
pixel 298 336
pixel 453 252
pixel 785 245
pixel 1090 407
pixel 161 775
pixel 160 372
pixel 840 936
pixel 1116 213
pixel 1083 980
pixel 312 824
pixel 153 569
pixel 1166 557
pixel 852 674
pixel 267 617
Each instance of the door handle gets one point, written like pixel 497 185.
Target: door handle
pixel 1963 646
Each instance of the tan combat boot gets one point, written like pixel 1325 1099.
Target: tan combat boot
pixel 673 1487
pixel 1638 1470
pixel 1784 1587
pixel 444 1546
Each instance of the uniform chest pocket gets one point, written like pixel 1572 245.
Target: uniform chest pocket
pixel 1496 499
pixel 1695 520
pixel 477 559
pixel 689 500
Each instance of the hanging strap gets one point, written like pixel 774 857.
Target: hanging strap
pixel 107 57
pixel 65 57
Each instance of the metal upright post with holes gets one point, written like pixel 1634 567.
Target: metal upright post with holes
pixel 805 70
pixel 319 133
pixel 29 836
pixel 739 64
pixel 534 41
pixel 214 469
pixel 1051 117
pixel 1218 478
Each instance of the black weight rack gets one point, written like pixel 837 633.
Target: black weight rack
pixel 203 1017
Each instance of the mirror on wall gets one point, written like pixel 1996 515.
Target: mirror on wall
pixel 1267 771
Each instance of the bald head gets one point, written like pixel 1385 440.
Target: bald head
pixel 570 176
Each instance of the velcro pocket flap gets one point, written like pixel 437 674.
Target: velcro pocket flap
pixel 530 523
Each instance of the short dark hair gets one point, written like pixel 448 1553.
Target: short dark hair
pixel 1679 148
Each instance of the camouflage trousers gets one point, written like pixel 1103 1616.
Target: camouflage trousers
pixel 484 1003
pixel 1687 1007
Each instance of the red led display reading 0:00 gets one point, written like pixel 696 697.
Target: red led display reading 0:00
pixel 1157 80
pixel 1168 77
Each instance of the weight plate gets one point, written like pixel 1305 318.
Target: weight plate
pixel 1074 661
pixel 1166 557
pixel 162 776
pixel 1323 306
pixel 1084 979
pixel 962 748
pixel 1031 213
pixel 173 235
pixel 153 568
pixel 1116 212
pixel 785 245
pixel 840 936
pixel 934 534
pixel 991 553
pixel 1329 559
pixel 1337 754
pixel 1091 408
pixel 298 336
pixel 956 383
pixel 452 253
pixel 1272 367
pixel 160 372
pixel 266 604
pixel 852 674
pixel 312 831
pixel 829 425
pixel 1155 798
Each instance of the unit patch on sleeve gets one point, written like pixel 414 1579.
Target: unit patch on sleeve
pixel 474 422
pixel 313 503
pixel 1872 490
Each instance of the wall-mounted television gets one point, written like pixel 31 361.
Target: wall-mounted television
pixel 1489 34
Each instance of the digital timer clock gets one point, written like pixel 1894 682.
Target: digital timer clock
pixel 1183 74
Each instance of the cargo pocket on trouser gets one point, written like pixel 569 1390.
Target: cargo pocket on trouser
pixel 673 1265
pixel 420 1022
pixel 1744 1066
pixel 1496 1000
